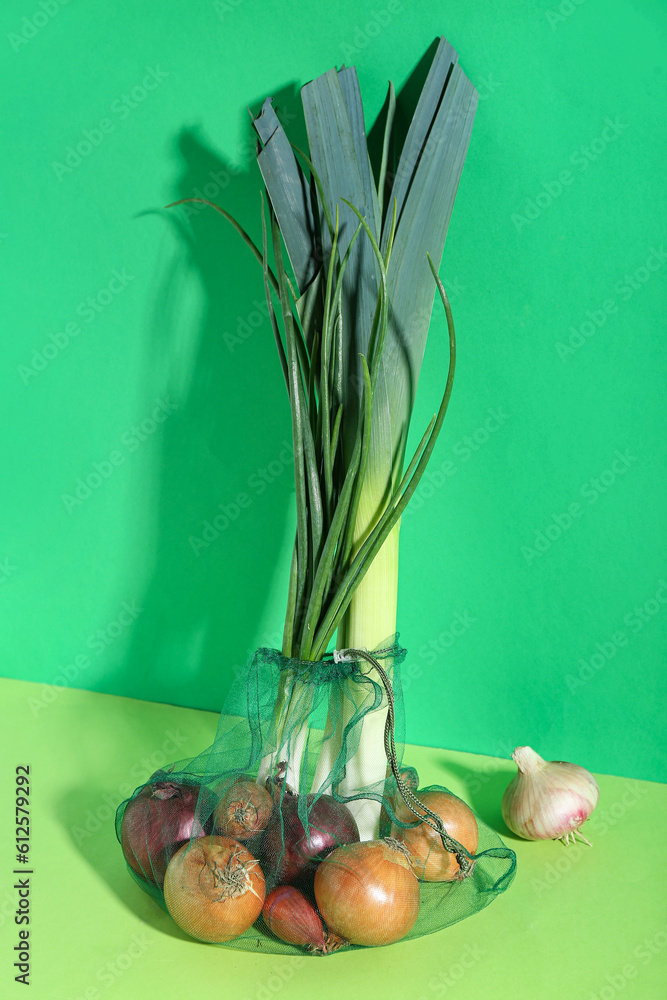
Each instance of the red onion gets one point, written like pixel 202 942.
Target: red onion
pixel 159 820
pixel 290 855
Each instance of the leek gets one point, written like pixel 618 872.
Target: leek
pixel 350 311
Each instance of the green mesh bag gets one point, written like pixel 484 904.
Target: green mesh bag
pixel 262 787
pixel 301 826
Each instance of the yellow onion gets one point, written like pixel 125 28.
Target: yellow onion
pixel 243 811
pixel 214 889
pixel 428 857
pixel 367 892
pixel 548 800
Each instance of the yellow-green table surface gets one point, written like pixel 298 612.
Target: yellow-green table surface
pixel 577 924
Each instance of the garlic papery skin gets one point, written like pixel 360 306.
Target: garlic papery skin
pixel 548 800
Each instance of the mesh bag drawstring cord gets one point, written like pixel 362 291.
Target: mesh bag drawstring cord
pixel 465 860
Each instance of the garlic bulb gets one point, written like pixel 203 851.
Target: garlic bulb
pixel 548 800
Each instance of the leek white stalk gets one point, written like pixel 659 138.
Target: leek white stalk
pixel 294 702
pixel 370 619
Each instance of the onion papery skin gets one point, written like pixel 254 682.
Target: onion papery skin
pixel 367 892
pixel 548 800
pixel 294 859
pixel 158 821
pixel 214 889
pixel 292 918
pixel 430 861
pixel 243 811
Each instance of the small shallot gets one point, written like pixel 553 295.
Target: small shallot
pixel 548 800
pixel 292 918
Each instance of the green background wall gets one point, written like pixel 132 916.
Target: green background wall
pixel 533 589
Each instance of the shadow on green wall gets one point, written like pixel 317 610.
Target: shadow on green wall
pixel 218 522
pixel 215 559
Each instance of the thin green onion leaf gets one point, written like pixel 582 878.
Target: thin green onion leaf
pixel 384 312
pixel 269 302
pixel 328 560
pixel 348 541
pixel 415 459
pixel 300 338
pixel 392 234
pixel 343 265
pixel 296 393
pixel 288 632
pixel 339 362
pixel 309 307
pixel 335 433
pixel 294 337
pixel 315 507
pixel 237 226
pixel 375 540
pixel 313 410
pixel 324 372
pixel 336 370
